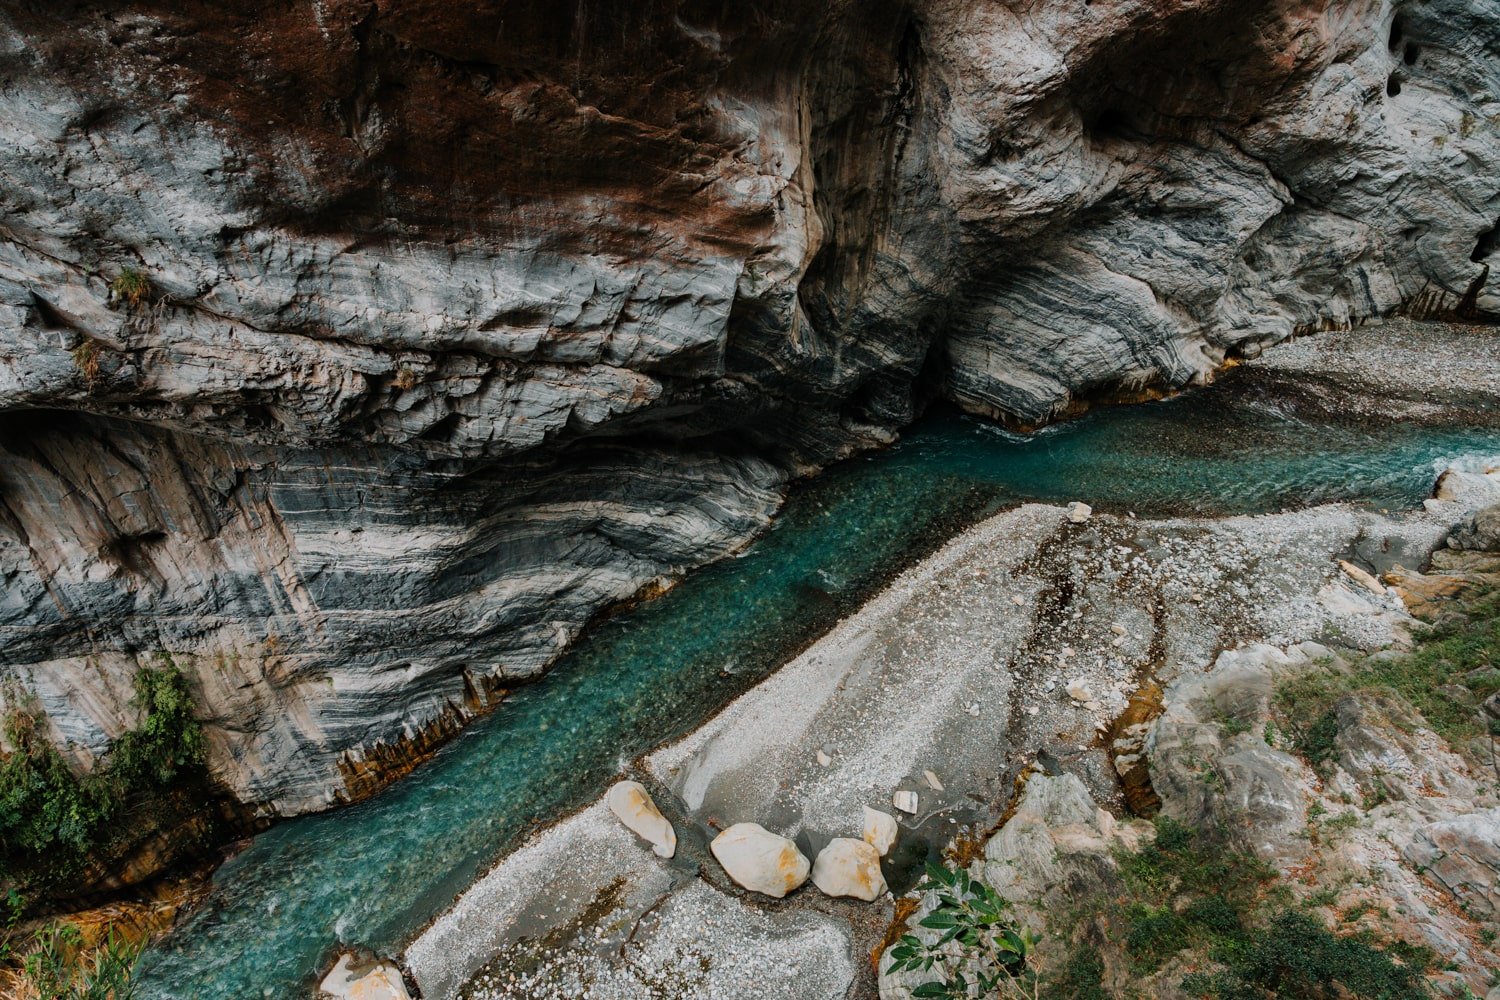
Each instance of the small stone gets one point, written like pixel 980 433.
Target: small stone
pixel 1017 600
pixel 632 805
pixel 848 867
pixel 973 709
pixel 1119 629
pixel 353 980
pixel 759 860
pixel 823 759
pixel 1362 578
pixel 1078 690
pixel 1197 597
pixel 905 801
pixel 1117 641
pixel 932 781
pixel 880 830
pixel 1079 512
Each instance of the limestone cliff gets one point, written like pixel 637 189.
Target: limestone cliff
pixel 359 351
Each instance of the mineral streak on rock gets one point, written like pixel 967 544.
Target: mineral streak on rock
pixel 360 352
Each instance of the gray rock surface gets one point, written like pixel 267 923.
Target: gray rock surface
pixel 891 693
pixel 358 353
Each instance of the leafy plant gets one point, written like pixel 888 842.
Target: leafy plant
pixel 977 952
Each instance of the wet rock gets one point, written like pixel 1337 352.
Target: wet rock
pixel 848 867
pixel 632 805
pixel 759 860
pixel 880 830
pixel 352 979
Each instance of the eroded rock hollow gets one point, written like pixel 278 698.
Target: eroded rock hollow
pixel 358 353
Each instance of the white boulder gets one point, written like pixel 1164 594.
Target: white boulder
pixel 880 830
pixel 632 805
pixel 1079 512
pixel 1078 690
pixel 848 867
pixel 351 979
pixel 759 860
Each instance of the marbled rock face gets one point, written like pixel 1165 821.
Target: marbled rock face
pixel 358 352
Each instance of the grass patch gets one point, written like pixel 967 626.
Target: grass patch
pixel 53 819
pixel 86 360
pixel 1189 897
pixel 59 967
pixel 131 287
pixel 1461 653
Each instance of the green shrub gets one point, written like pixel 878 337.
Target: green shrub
pixel 1296 957
pixel 52 819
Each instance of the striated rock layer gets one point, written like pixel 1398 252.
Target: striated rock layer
pixel 358 352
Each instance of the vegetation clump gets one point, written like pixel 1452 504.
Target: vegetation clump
pixel 1454 666
pixel 59 967
pixel 131 287
pixel 86 360
pixel 1188 899
pixel 978 950
pixel 52 819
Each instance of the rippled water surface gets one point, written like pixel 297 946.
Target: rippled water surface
pixel 374 873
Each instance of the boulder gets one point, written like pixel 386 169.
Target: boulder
pixel 759 860
pixel 1462 855
pixel 352 979
pixel 1480 532
pixel 632 805
pixel 1079 512
pixel 848 867
pixel 880 830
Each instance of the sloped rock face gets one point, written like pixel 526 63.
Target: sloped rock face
pixel 359 352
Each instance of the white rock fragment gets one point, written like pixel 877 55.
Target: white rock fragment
pixel 905 801
pixel 973 709
pixel 1119 629
pixel 632 805
pixel 1078 690
pixel 353 980
pixel 932 781
pixel 823 759
pixel 1362 578
pixel 880 830
pixel 1017 600
pixel 759 860
pixel 1079 512
pixel 848 867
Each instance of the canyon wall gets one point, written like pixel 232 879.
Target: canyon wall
pixel 357 352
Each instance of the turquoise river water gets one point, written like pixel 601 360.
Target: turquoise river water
pixel 374 873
